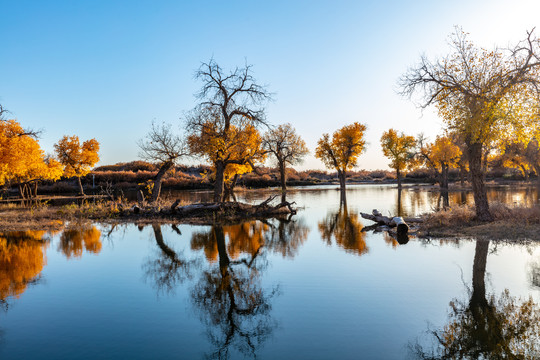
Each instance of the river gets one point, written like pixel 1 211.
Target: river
pixel 312 286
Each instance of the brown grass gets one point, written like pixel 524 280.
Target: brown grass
pixel 509 223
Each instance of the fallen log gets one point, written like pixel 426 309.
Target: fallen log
pixel 377 217
pixel 393 222
pixel 402 227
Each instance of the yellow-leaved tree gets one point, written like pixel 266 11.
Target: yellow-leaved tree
pixel 22 161
pixel 400 149
pixel 77 159
pixel 232 153
pixel 231 108
pixel 480 95
pixel 341 153
pixel 440 156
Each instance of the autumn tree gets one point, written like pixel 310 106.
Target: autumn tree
pixel 399 148
pixel 22 161
pixel 342 151
pixel 287 147
pixel 441 155
pixel 162 146
pixel 513 154
pixel 230 111
pixel 480 93
pixel 77 159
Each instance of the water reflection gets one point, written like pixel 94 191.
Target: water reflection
pixel 170 268
pixel 484 327
pixel 229 296
pixel 345 229
pixel 227 290
pixel 287 236
pixel 78 237
pixel 22 258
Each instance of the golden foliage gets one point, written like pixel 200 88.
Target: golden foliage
pixel 399 148
pixel 342 152
pixel 483 94
pixel 238 148
pixel 442 153
pixel 21 158
pixel 77 159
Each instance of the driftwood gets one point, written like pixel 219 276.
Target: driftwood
pixel 217 211
pixel 385 223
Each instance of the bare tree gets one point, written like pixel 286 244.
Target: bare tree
pixel 479 94
pixel 163 147
pixel 25 132
pixel 229 103
pixel 288 149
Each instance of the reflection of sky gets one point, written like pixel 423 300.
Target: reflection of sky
pixel 332 304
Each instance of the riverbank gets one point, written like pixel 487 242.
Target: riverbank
pixel 510 223
pixel 50 218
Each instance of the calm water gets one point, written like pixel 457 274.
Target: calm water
pixel 314 286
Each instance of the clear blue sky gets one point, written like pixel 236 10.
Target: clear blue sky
pixel 106 69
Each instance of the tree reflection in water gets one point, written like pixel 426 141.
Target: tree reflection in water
pixel 287 236
pixel 227 293
pixel 230 298
pixel 169 269
pixel 22 258
pixel 486 327
pixel 346 229
pixel 77 237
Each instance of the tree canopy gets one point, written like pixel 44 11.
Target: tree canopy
pixel 399 148
pixel 77 159
pixel 341 153
pixel 480 94
pixel 231 108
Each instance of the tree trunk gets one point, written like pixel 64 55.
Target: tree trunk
pixel 156 191
pixel 220 181
pixel 537 170
pixel 444 177
pixel 283 178
pixel 35 188
pixel 477 180
pixel 462 175
pixel 228 191
pixel 81 190
pixel 21 191
pixel 445 198
pixel 398 175
pixel 342 188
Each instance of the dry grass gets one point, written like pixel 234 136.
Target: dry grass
pixel 14 217
pixel 509 223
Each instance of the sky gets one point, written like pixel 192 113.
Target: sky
pixel 107 69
